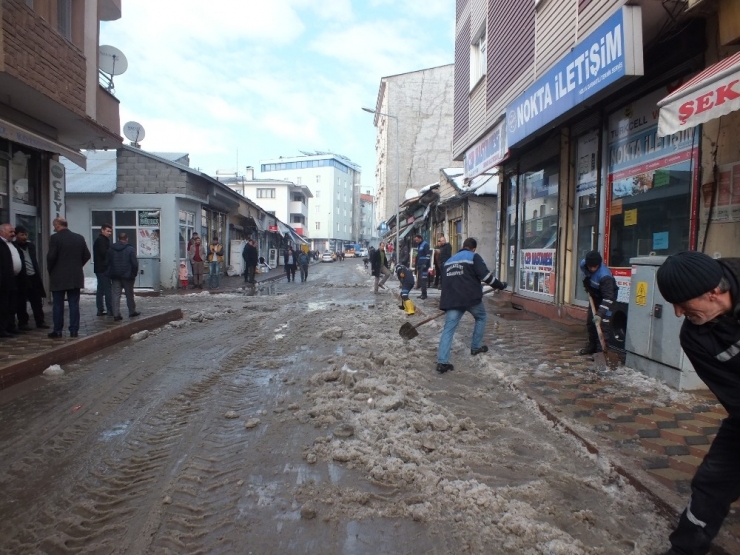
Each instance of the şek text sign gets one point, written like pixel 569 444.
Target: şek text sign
pixel 612 51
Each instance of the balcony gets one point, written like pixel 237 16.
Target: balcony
pixel 297 207
pixel 108 113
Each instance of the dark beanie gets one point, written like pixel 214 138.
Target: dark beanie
pixel 687 275
pixel 593 258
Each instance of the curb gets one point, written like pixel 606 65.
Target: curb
pixel 34 366
pixel 668 503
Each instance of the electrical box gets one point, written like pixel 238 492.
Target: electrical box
pixel 272 258
pixel 652 342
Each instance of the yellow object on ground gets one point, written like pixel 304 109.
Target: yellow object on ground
pixel 408 306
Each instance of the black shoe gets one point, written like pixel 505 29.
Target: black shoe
pixel 442 368
pixel 481 349
pixel 25 327
pixel 134 314
pixel 43 326
pixel 55 335
pixel 117 318
pixel 589 350
pixel 73 334
pixel 422 297
pixel 102 313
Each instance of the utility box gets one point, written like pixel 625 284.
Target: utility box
pixel 652 342
pixel 236 262
pixel 148 277
pixel 272 258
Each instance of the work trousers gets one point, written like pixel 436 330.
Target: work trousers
pixel 606 328
pixel 714 488
pixel 452 319
pixel 126 285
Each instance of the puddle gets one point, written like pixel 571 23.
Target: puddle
pixel 260 290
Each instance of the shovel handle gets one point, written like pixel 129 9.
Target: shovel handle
pixel 491 290
pixel 598 327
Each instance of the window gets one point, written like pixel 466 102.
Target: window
pixel 187 226
pixel 318 194
pixel 141 227
pixel 318 225
pixel 64 18
pixel 265 193
pixel 318 179
pixel 318 208
pixel 478 58
pixel 298 181
pixel 339 195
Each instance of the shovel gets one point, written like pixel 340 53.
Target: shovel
pixel 599 358
pixel 408 330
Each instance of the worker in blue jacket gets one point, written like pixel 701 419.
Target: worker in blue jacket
pixel 406 277
pixel 423 256
pixel 602 287
pixel 461 293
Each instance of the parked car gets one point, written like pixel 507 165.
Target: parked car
pixel 363 253
pixel 328 256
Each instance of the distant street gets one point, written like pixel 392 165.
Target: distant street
pixel 294 419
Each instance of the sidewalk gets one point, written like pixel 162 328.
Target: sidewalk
pixel 655 436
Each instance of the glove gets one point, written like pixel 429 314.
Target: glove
pixel 597 320
pixel 586 281
pixel 503 286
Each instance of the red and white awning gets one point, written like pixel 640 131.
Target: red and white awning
pixel 713 93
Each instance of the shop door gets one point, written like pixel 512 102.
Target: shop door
pixel 586 217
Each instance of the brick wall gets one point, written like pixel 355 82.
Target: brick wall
pixel 37 55
pixel 141 174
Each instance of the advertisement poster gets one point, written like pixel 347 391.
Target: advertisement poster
pixel 149 243
pixel 623 277
pixel 726 195
pixel 537 271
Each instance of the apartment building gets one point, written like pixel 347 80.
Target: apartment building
pixel 334 182
pixel 366 226
pixel 51 104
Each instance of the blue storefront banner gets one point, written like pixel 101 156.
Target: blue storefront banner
pixel 486 153
pixel 611 52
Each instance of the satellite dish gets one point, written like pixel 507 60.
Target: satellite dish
pixel 410 193
pixel 134 132
pixel 111 60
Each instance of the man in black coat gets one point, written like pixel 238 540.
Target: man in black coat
pixel 444 252
pixel 100 251
pixel 707 292
pixel 122 267
pixel 251 257
pixel 30 286
pixel 7 280
pixel 68 253
pixel 379 267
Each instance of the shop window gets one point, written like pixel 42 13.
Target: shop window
pixel 539 230
pixel 456 238
pixel 649 186
pixel 23 178
pixel 586 211
pixel 187 227
pixel 140 226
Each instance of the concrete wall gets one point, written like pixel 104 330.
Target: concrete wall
pixel 422 101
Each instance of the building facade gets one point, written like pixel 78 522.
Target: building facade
pixel 334 181
pixel 51 103
pixel 415 141
pixel 366 224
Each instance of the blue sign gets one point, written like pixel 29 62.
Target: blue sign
pixel 383 227
pixel 611 52
pixel 660 241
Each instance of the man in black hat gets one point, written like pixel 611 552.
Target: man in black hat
pixel 707 292
pixel 602 287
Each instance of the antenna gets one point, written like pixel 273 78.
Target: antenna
pixel 134 132
pixel 111 61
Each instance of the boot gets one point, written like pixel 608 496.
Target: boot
pixel 408 306
pixel 588 350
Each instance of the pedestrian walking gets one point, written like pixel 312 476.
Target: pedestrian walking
pixel 122 267
pixel 251 258
pixel 289 261
pixel 707 292
pixel 602 287
pixel 30 288
pixel 197 257
pixel 184 275
pixel 67 255
pixel 423 255
pixel 10 266
pixel 406 277
pixel 444 252
pixel 215 259
pixel 303 261
pixel 100 252
pixel 462 292
pixel 379 267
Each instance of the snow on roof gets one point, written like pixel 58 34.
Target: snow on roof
pixel 428 188
pixel 100 176
pixel 484 184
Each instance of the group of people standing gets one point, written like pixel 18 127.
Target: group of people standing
pixel 199 255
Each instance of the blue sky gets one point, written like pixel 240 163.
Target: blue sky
pixel 269 78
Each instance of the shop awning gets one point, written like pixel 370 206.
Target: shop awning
pixel 17 134
pixel 713 93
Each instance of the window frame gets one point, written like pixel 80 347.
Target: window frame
pixel 478 57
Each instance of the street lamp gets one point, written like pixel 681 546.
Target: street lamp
pixel 398 181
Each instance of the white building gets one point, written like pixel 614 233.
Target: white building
pixel 335 183
pixel 283 198
pixel 367 226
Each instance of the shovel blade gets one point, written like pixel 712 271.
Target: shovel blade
pixel 408 331
pixel 600 362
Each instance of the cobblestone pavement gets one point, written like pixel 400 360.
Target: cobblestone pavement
pixel 662 434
